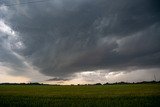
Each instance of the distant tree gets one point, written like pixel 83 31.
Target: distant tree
pixel 34 83
pixel 106 83
pixel 98 84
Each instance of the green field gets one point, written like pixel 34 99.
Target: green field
pixel 129 95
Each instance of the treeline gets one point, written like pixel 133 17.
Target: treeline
pixel 35 83
pixel 121 83
pixel 143 82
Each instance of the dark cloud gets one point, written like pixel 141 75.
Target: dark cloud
pixel 63 37
pixel 57 79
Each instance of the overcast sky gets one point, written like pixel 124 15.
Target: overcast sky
pixel 79 41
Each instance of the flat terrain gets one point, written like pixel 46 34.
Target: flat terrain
pixel 129 95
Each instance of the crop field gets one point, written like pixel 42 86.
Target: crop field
pixel 126 95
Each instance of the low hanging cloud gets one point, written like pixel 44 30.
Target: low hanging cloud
pixel 63 37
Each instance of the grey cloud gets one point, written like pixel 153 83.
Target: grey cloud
pixel 63 37
pixel 57 79
pixel 145 41
pixel 10 59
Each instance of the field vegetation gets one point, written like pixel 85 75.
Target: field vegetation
pixel 115 95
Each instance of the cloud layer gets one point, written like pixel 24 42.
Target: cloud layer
pixel 64 37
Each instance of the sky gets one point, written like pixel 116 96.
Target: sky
pixel 79 41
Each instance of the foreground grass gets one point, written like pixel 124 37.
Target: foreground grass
pixel 132 95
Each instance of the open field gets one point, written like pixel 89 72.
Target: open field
pixel 132 95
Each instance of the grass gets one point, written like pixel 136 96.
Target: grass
pixel 129 95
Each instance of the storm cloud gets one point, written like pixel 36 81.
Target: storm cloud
pixel 64 37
